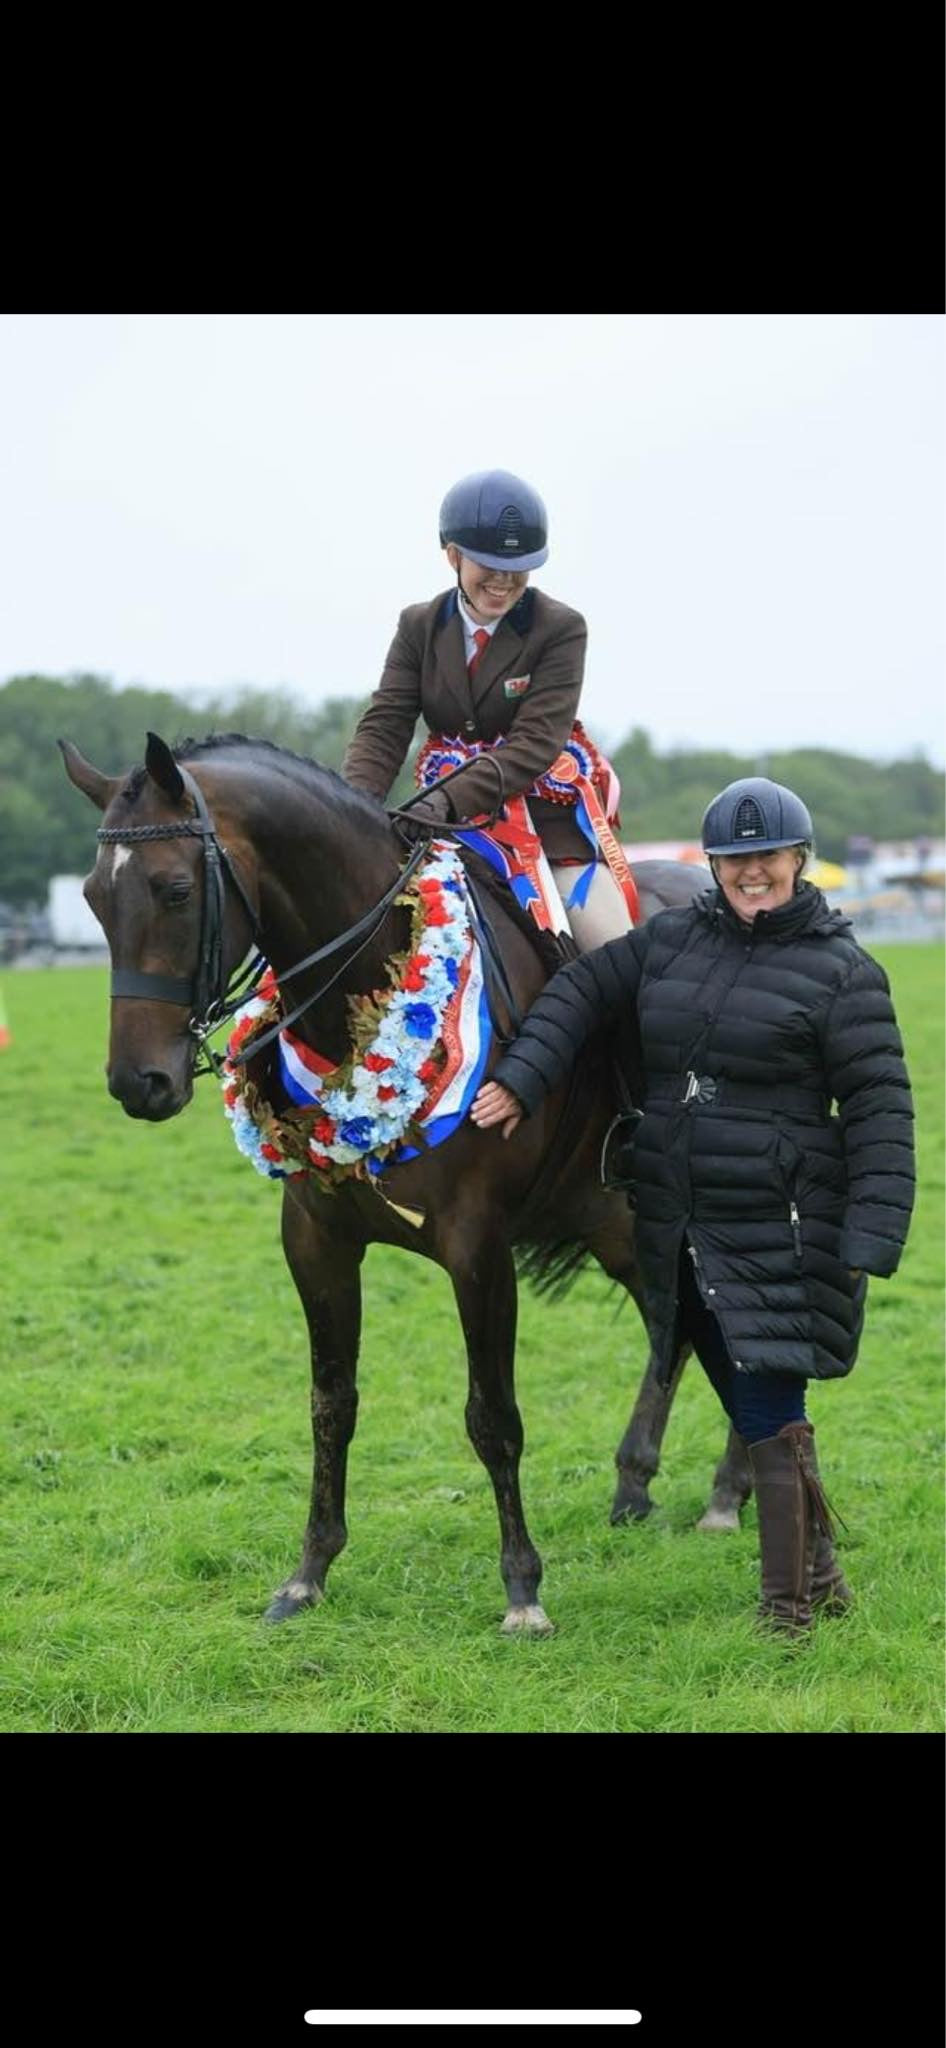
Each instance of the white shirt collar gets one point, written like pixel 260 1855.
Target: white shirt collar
pixel 471 626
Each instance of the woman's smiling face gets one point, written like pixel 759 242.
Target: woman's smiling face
pixel 490 593
pixel 752 882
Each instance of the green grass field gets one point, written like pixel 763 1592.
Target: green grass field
pixel 156 1459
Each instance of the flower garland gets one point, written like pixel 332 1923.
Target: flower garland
pixel 370 1104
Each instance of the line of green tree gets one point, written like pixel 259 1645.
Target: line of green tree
pixel 45 824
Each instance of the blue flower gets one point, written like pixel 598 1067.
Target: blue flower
pixel 452 972
pixel 359 1131
pixel 420 1021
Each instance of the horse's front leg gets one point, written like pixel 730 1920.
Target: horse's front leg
pixel 326 1271
pixel 484 1282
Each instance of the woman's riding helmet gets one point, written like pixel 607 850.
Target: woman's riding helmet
pixel 755 814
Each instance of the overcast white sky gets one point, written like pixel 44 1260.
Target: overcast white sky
pixel 748 508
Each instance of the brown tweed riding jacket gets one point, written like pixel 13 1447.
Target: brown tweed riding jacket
pixel 527 685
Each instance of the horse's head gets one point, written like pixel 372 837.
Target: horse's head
pixel 175 930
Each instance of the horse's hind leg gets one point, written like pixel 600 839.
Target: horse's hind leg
pixel 732 1485
pixel 326 1272
pixel 484 1282
pixel 638 1457
pixel 638 1453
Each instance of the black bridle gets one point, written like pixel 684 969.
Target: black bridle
pixel 207 991
pixel 211 995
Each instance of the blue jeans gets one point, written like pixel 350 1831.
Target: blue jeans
pixel 758 1404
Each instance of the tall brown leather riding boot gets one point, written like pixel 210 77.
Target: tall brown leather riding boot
pixel 792 1511
pixel 830 1592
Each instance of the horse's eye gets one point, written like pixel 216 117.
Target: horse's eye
pixel 176 894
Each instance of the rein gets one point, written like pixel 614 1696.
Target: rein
pixel 367 924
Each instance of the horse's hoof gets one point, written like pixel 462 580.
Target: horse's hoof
pixel 630 1504
pixel 719 1518
pixel 290 1600
pixel 527 1621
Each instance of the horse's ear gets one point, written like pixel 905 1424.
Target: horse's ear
pixel 99 788
pixel 163 768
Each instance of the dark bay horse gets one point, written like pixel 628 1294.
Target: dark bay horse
pixel 230 840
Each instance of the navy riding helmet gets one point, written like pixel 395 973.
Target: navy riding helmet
pixel 755 813
pixel 496 519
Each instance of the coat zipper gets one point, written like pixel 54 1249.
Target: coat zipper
pixel 804 1509
pixel 795 1221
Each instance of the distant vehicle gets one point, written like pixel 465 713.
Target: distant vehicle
pixel 71 922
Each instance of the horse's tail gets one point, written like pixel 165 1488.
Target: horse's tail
pixel 548 1253
pixel 554 1267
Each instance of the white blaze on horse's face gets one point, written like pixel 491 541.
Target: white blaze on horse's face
pixel 109 864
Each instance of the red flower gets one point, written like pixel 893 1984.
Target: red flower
pixel 231 1095
pixel 271 1152
pixel 376 1062
pixel 241 1031
pixel 429 1071
pixel 324 1130
pixel 413 976
pixel 438 914
pixel 319 1158
pixel 385 1094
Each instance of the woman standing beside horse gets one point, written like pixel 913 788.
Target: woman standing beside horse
pixel 496 669
pixel 758 1212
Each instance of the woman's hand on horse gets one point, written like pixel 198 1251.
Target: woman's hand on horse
pixel 492 1105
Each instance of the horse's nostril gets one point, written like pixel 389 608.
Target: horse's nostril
pixel 141 1091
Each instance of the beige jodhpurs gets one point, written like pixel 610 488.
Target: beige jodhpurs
pixel 605 914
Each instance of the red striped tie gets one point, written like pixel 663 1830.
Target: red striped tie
pixel 482 642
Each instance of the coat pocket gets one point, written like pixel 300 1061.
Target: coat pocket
pixel 789 1162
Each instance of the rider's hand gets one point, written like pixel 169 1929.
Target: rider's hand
pixel 492 1105
pixel 425 817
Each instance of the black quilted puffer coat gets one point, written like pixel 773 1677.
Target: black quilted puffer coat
pixel 748 1035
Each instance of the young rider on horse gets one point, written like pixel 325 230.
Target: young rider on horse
pixel 496 670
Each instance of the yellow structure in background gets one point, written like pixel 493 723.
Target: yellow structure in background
pixel 825 874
